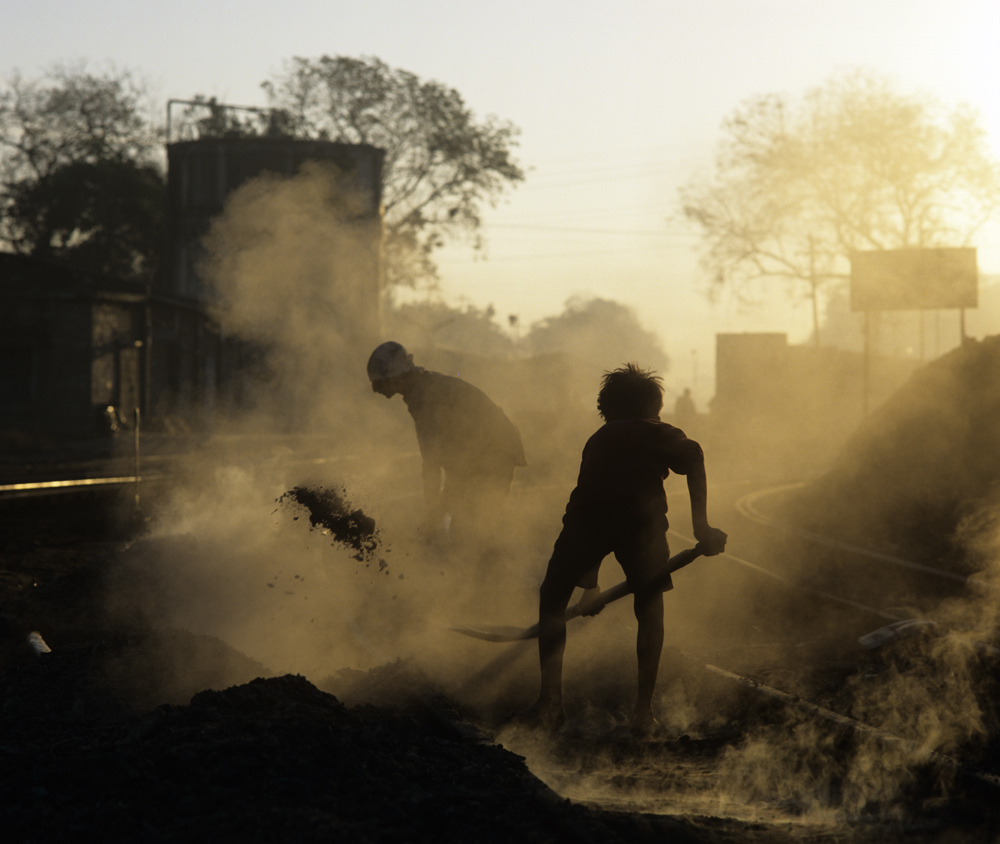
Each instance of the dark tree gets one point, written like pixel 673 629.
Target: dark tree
pixel 441 164
pixel 79 175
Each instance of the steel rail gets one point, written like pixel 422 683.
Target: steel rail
pixel 40 488
pixel 807 590
pixel 45 485
pixel 54 487
pixel 909 745
pixel 747 506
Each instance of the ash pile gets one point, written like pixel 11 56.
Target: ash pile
pixel 270 759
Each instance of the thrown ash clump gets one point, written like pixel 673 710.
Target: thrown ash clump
pixel 328 510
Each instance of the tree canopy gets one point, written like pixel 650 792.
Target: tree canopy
pixel 434 323
pixel 600 333
pixel 596 334
pixel 79 173
pixel 441 164
pixel 853 165
pixel 81 176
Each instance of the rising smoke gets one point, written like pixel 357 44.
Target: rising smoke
pixel 293 265
pixel 235 550
pixel 918 479
pixel 230 556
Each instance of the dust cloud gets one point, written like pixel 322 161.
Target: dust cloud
pixel 294 270
pixel 916 480
pixel 232 551
pixel 228 554
pixel 920 704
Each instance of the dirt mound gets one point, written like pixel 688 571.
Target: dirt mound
pixel 921 464
pixel 273 759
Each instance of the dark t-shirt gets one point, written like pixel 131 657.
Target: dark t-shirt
pixel 623 468
pixel 459 427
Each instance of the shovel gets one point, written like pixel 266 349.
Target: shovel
pixel 506 633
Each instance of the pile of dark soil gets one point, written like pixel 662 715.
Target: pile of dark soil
pixel 921 466
pixel 272 759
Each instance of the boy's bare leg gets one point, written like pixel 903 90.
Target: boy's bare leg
pixel 548 710
pixel 648 646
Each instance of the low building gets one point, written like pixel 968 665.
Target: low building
pixel 81 353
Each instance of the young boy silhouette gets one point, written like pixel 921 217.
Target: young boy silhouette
pixel 619 506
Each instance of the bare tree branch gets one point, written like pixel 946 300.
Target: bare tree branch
pixel 440 164
pixel 853 165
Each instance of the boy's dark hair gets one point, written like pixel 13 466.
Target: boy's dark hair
pixel 630 392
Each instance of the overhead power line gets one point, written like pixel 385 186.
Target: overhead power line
pixel 573 230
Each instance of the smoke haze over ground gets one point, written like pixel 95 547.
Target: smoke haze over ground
pixel 226 556
pixel 918 480
pixel 235 552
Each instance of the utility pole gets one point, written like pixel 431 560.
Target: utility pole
pixel 813 285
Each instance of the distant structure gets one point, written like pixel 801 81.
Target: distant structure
pixel 202 175
pixel 797 401
pixel 685 413
pixel 79 352
pixel 71 346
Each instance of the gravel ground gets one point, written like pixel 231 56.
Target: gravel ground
pixel 97 742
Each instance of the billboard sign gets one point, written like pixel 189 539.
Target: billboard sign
pixel 914 279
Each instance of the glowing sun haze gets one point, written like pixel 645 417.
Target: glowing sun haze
pixel 619 104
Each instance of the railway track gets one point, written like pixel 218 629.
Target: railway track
pixel 751 507
pixel 901 624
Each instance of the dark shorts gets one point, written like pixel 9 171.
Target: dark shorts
pixel 640 546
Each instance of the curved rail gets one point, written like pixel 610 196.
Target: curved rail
pixel 747 506
pixel 807 590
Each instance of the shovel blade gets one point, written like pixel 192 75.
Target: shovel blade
pixel 498 633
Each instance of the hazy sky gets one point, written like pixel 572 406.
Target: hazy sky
pixel 619 104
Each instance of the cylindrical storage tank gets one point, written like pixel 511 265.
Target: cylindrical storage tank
pixel 203 174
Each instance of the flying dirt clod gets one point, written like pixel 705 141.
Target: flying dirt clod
pixel 329 510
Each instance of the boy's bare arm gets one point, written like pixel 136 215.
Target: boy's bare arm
pixel 713 539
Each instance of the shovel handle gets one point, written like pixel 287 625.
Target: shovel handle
pixel 620 590
pixel 514 634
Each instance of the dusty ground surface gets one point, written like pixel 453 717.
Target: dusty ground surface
pixel 97 740
pixel 779 726
pixel 89 748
